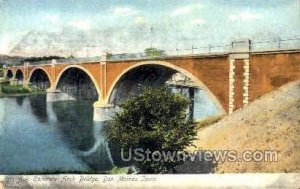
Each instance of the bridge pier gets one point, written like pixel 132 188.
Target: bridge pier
pixel 25 83
pixel 103 112
pixel 13 81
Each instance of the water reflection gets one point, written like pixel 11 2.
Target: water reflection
pixel 20 100
pixel 75 122
pixel 70 142
pixel 99 156
pixel 85 137
pixel 38 106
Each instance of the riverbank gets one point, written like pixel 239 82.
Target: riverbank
pixel 7 90
pixel 21 94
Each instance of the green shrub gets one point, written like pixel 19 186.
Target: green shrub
pixel 155 120
pixel 4 82
pixel 119 170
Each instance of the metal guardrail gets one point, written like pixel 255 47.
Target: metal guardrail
pixel 255 45
pixel 276 44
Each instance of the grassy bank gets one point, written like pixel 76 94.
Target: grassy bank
pixel 17 90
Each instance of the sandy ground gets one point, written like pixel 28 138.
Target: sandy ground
pixel 271 122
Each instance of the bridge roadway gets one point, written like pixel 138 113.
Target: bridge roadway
pixel 231 80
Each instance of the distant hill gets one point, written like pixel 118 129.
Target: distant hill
pixel 67 43
pixel 271 122
pixel 11 60
pixel 17 60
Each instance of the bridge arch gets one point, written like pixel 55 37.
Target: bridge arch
pixel 19 75
pixel 40 75
pixel 9 74
pixel 170 66
pixel 82 69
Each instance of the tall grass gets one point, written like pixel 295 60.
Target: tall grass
pixel 14 89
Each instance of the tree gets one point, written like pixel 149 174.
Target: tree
pixel 153 52
pixel 155 120
pixel 43 58
pixel 109 55
pixel 1 70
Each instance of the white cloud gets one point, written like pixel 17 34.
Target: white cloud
pixel 4 46
pixel 139 20
pixel 198 21
pixel 182 11
pixel 53 18
pixel 245 16
pixel 124 11
pixel 81 24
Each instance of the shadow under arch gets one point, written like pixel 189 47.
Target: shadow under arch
pixel 40 78
pixel 175 69
pixel 19 75
pixel 9 74
pixel 79 77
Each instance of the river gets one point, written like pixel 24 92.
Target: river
pixel 36 136
pixel 39 136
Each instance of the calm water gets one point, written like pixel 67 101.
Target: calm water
pixel 39 136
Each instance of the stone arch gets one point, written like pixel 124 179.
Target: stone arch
pixel 19 75
pixel 9 74
pixel 41 68
pixel 43 71
pixel 86 71
pixel 168 65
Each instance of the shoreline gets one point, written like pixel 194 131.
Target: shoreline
pixel 21 94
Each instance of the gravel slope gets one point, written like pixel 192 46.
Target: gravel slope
pixel 271 122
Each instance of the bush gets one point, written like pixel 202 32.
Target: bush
pixel 4 82
pixel 155 120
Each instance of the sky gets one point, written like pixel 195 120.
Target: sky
pixel 132 25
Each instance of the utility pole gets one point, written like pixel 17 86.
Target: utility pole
pixel 151 36
pixel 298 9
pixel 279 40
pixel 209 48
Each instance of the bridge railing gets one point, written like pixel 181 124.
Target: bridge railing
pixel 275 44
pixel 255 45
pixel 268 44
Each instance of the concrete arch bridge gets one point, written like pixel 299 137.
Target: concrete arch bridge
pixel 231 80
